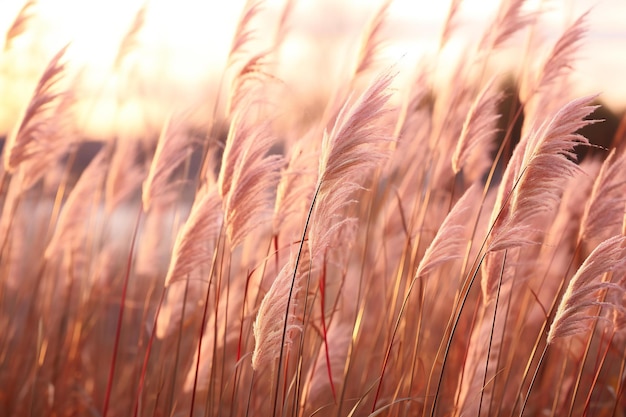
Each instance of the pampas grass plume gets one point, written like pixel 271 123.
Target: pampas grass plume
pixel 195 239
pixel 269 323
pixel 582 292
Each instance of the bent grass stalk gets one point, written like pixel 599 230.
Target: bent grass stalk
pixel 288 307
pixel 120 316
pixel 409 337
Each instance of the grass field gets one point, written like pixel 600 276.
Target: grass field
pixel 441 247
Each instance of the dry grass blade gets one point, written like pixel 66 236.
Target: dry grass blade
pixel 282 29
pixel 372 40
pixel 572 316
pixel 538 170
pixel 509 20
pixel 296 185
pixel 559 60
pixel 20 23
pixel 70 228
pixel 179 306
pixel 224 320
pixel 254 175
pixel 450 23
pixel 173 148
pixel 249 82
pixel 245 32
pixel 130 40
pixel 233 150
pixel 126 174
pixel 356 143
pixel 605 206
pixel 486 344
pixel 479 126
pixel 28 138
pixel 50 148
pixel 547 160
pixel 318 386
pixel 269 326
pixel 254 75
pixel 449 242
pixel 194 242
pixel 551 149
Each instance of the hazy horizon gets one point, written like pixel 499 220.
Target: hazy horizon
pixel 180 51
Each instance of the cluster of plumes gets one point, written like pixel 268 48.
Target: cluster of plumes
pixel 397 255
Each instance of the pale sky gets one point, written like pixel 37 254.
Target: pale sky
pixel 183 44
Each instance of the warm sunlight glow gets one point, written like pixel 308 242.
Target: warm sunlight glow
pixel 178 53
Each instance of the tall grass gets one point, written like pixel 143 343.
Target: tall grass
pixel 400 251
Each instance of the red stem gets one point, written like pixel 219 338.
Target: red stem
pixel 322 302
pixel 144 368
pixel 120 317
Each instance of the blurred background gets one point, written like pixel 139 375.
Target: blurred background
pixel 178 51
